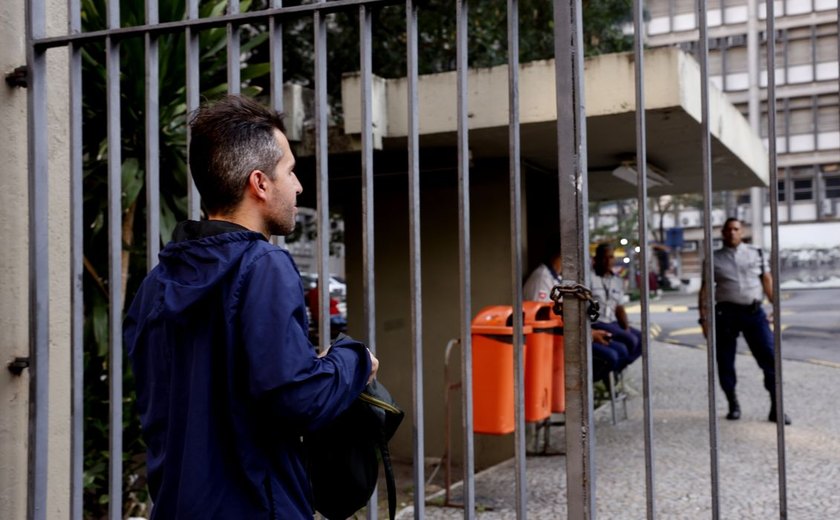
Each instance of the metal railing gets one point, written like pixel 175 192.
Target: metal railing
pixel 572 196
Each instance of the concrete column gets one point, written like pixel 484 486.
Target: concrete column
pixel 14 311
pixel 754 105
pixel 14 269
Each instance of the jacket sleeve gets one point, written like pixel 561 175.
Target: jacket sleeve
pixel 283 371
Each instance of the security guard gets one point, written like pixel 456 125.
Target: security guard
pixel 742 278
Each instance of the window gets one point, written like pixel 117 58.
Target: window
pixel 781 191
pixel 803 189
pixel 832 187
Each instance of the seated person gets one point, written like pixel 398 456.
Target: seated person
pixel 608 289
pixel 607 355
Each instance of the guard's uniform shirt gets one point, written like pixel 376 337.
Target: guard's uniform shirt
pixel 738 272
pixel 539 284
pixel 609 291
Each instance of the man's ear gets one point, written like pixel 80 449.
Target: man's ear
pixel 258 184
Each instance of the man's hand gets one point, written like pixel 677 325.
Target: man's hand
pixel 374 366
pixel 601 336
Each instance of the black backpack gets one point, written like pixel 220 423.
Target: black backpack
pixel 343 457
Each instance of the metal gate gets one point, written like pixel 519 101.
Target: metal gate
pixel 573 199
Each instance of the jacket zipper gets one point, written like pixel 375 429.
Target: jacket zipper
pixel 377 402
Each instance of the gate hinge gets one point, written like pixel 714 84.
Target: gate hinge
pixel 16 367
pixel 18 77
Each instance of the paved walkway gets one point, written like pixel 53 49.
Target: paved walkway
pixel 747 454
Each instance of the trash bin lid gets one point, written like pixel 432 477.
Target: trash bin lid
pixel 540 315
pixel 496 319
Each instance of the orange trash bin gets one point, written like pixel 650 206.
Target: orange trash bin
pixel 558 363
pixel 492 379
pixel 538 359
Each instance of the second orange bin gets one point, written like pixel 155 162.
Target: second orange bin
pixel 539 359
pixel 492 385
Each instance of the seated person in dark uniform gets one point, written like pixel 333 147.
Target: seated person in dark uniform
pixel 607 355
pixel 608 289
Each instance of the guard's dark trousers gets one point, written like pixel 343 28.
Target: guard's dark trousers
pixel 732 320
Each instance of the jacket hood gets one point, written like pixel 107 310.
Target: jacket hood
pixel 200 256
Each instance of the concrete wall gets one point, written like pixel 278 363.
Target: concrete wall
pixel 14 270
pixel 491 285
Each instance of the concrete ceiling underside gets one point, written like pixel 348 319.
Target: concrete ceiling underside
pixel 673 149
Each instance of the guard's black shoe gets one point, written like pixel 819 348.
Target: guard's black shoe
pixel 772 417
pixel 734 410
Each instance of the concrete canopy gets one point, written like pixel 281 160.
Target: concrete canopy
pixel 672 91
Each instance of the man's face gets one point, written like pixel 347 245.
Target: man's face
pixel 282 207
pixel 731 234
pixel 606 260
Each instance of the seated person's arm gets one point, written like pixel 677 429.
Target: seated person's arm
pixel 621 317
pixel 601 336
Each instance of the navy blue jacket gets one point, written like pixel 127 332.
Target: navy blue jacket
pixel 227 381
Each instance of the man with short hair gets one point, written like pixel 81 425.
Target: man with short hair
pixel 227 381
pixel 741 280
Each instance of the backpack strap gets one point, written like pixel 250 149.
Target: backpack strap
pixel 389 479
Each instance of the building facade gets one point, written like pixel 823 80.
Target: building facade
pixel 807 110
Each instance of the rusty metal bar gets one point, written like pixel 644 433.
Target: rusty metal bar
pixel 574 233
pixel 152 140
pixel 415 290
pixel 77 304
pixel 514 152
pixel 115 289
pixel 708 272
pixel 39 293
pixel 368 278
pixel 774 252
pixel 322 176
pixel 465 290
pixel 233 44
pixel 193 57
pixel 644 249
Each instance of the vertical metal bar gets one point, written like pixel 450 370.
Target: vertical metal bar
pixel 193 93
pixel 233 40
pixel 38 263
pixel 152 140
pixel 754 105
pixel 115 360
pixel 369 305
pixel 774 252
pixel 76 269
pixel 462 64
pixel 574 233
pixel 516 255
pixel 275 53
pixel 418 431
pixel 814 65
pixel 322 177
pixel 275 35
pixel 705 141
pixel 641 163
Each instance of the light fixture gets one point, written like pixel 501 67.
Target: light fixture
pixel 623 241
pixel 627 172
